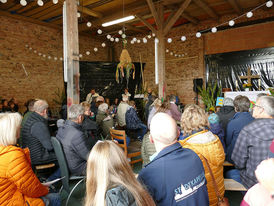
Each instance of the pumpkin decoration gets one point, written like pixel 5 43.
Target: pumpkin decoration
pixel 125 66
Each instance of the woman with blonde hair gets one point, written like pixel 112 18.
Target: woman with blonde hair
pixel 197 137
pixel 110 180
pixel 19 185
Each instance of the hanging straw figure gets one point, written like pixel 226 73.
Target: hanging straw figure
pixel 125 65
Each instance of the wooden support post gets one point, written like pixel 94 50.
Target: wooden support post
pixel 161 65
pixel 71 52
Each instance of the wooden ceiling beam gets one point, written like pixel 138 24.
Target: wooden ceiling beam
pixel 235 6
pixel 206 8
pixel 16 7
pixel 90 12
pixel 133 28
pixel 190 18
pixel 25 8
pixel 175 17
pixel 51 14
pixel 147 24
pixel 154 12
pixel 39 9
pixel 28 19
pixel 88 2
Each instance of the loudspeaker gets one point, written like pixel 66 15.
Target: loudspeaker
pixel 197 83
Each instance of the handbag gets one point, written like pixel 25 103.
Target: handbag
pixel 222 201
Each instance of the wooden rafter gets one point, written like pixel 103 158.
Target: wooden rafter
pixel 147 24
pixel 46 11
pixel 206 8
pixel 90 12
pixel 39 9
pixel 133 28
pixel 235 6
pixel 25 8
pixel 153 12
pixel 51 14
pixel 88 2
pixel 175 17
pixel 190 18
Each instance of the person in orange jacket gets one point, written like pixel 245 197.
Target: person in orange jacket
pixel 18 183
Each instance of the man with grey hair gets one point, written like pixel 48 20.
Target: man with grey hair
pixel 254 140
pixel 75 143
pixel 36 135
pixel 176 175
pixel 121 111
pixel 175 113
pixel 104 120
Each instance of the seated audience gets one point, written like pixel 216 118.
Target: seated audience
pixel 226 112
pixel 75 143
pixel 194 124
pixel 239 120
pixel 29 104
pixel 5 106
pixel 36 135
pixel 110 180
pixel 133 122
pixel 104 120
pixel 113 107
pixel 176 175
pixel 155 106
pixel 165 108
pixel 121 112
pixel 252 145
pixel 91 96
pixel 175 113
pixel 262 193
pixel 147 150
pixel 19 184
pixel 90 127
pixel 216 128
pixel 12 106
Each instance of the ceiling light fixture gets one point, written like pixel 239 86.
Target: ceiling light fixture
pixel 118 21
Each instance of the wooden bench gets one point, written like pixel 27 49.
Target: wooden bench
pixel 232 185
pixel 227 164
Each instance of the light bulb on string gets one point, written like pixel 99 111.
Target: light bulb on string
pixel 269 4
pixel 99 31
pixel 35 51
pixel 44 55
pixel 23 2
pixel 124 36
pixel 95 49
pixel 134 39
pixel 78 14
pixel 214 30
pixel 156 40
pixel 80 55
pixel 179 55
pixel 120 32
pixel 40 3
pixel 198 34
pixel 39 54
pixel 4 1
pixel 167 50
pixel 30 48
pixel 138 41
pixel 153 34
pixel 171 53
pixel 49 57
pixel 88 53
pixel 54 1
pixel 61 59
pixel 103 44
pixel 111 39
pixel 26 46
pixel 145 40
pixel 89 24
pixel 55 58
pixel 175 55
pixel 183 38
pixel 249 14
pixel 132 42
pixel 149 36
pixel 169 40
pixel 231 23
pixel 117 39
pixel 108 36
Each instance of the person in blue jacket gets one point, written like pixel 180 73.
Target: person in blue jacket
pixel 175 177
pixel 236 124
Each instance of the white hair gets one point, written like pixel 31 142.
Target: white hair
pixel 103 107
pixel 74 111
pixel 40 105
pixel 9 128
pixel 267 102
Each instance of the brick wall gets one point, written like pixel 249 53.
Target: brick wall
pixel 44 75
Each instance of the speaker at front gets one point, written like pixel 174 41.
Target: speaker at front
pixel 197 83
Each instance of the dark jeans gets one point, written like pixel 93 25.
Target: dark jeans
pixel 52 199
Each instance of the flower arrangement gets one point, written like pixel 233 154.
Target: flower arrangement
pixel 248 85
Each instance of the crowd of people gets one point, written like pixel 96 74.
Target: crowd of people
pixel 180 148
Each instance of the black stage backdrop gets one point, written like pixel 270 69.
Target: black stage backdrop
pixel 226 68
pixel 101 76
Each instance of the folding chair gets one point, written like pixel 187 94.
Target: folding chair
pixel 69 182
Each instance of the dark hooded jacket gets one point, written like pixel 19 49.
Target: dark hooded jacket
pixel 225 114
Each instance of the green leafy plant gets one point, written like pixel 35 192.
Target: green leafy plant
pixel 209 95
pixel 60 96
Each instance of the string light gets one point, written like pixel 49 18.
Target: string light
pixel 95 49
pixel 183 38
pixel 198 34
pixel 134 39
pixel 169 40
pixel 269 4
pixel 89 24
pixel 124 36
pixel 88 53
pixel 23 2
pixel 99 31
pixel 103 44
pixel 167 50
pixel 138 41
pixel 4 1
pixel 78 14
pixel 111 39
pixel 231 23
pixel 54 1
pixel 117 39
pixel 40 3
pixel 145 40
pixel 214 30
pixel 80 55
pixel 249 14
pixel 120 32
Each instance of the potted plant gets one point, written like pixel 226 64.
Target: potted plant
pixel 209 95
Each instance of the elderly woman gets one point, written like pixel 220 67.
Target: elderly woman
pixel 194 123
pixel 19 185
pixel 104 120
